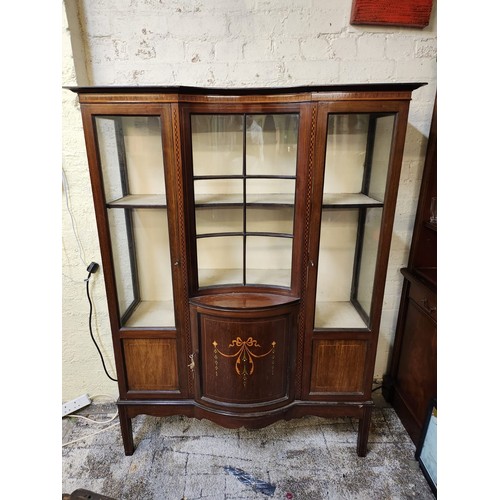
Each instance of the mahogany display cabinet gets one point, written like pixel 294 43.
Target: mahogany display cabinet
pixel 245 237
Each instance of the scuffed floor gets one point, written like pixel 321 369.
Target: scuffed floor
pixel 180 458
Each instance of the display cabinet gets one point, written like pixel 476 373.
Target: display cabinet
pixel 245 236
pixel 411 382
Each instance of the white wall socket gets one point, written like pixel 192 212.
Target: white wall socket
pixel 75 404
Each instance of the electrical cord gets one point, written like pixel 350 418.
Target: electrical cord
pixel 92 269
pixel 94 422
pixel 81 417
pixel 90 435
pixel 81 250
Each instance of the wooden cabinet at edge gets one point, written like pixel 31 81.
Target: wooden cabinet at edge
pixel 244 237
pixel 411 382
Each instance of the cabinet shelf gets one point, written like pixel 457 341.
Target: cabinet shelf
pixel 241 176
pixel 331 200
pixel 349 200
pixel 152 313
pixel 265 234
pixel 266 199
pixel 273 277
pixel 337 315
pixel 139 201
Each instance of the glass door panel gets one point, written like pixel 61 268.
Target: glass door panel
pixel 220 261
pixel 382 141
pixel 357 155
pixel 211 220
pixel 345 153
pixel 218 191
pixel 141 258
pixel 123 258
pixel 270 220
pixel 339 231
pixel 217 144
pixel 131 157
pixel 268 260
pixel 357 159
pixel 270 191
pixel 244 169
pixel 368 250
pixel 271 144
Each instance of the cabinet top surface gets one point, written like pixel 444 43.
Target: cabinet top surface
pixel 356 87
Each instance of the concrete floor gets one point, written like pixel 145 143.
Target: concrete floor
pixel 180 458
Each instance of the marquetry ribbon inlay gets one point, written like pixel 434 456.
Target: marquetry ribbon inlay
pixel 245 355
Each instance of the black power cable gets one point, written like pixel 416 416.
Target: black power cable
pixel 92 269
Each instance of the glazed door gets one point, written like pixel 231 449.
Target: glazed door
pixel 244 182
pixel 134 201
pixel 359 148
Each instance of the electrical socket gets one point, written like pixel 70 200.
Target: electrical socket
pixel 75 404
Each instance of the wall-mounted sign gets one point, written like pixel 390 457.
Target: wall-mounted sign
pixel 412 13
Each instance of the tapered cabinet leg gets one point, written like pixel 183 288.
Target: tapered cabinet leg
pixel 364 431
pixel 126 427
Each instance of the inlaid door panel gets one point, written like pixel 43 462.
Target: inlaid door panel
pixel 338 366
pixel 151 364
pixel 245 360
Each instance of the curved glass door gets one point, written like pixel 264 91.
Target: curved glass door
pixel 244 172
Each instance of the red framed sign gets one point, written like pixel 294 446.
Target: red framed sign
pixel 413 13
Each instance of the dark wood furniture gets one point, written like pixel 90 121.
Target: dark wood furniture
pixel 245 236
pixel 411 383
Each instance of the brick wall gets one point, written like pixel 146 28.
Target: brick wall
pixel 223 43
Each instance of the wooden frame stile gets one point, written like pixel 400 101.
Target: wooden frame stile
pixel 304 185
pixel 172 165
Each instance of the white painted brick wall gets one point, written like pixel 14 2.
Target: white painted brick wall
pixel 227 43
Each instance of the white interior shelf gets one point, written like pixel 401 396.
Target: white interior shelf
pixel 353 199
pixel 329 199
pixel 140 201
pixel 152 313
pixel 337 315
pixel 237 198
pixel 276 277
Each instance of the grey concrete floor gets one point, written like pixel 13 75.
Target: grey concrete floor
pixel 181 458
